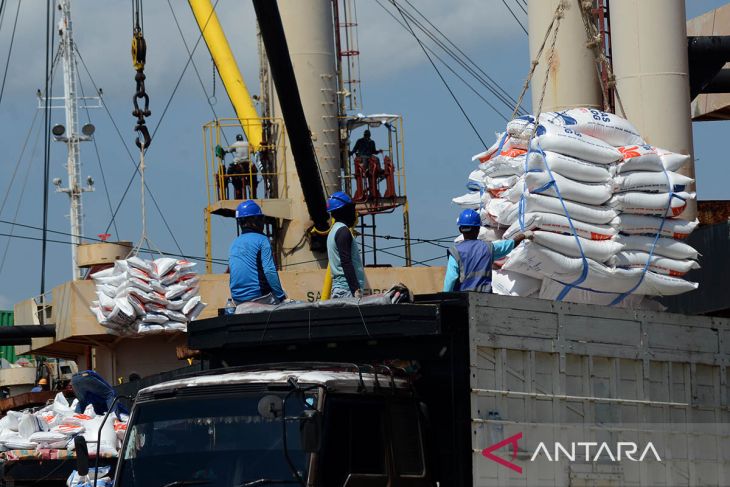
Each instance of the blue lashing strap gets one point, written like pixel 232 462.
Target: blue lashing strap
pixel 545 187
pixel 671 195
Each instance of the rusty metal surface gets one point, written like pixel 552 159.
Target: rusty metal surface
pixel 711 212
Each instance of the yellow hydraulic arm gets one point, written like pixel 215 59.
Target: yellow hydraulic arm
pixel 228 70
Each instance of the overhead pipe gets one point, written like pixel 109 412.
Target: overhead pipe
pixel 228 70
pixel 300 139
pixel 23 334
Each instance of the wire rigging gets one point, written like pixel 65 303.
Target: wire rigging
pixel 446 84
pixel 10 48
pixel 448 66
pixel 131 160
pixel 50 21
pixel 514 15
pixel 195 67
pixel 96 150
pixel 495 88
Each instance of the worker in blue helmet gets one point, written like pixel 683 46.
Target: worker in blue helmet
pixel 346 267
pixel 470 261
pixel 254 277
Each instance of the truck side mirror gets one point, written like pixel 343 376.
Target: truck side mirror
pixel 82 456
pixel 310 431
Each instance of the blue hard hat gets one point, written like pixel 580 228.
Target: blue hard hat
pixel 338 200
pixel 248 208
pixel 469 218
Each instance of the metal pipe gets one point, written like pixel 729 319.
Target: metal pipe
pixel 719 84
pixel 228 70
pixel 573 76
pixel 27 331
pixel 300 138
pixel 650 62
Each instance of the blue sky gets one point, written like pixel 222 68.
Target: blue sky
pixel 397 79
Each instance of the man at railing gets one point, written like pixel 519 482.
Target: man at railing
pixel 241 172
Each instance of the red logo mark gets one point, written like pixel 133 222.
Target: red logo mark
pixel 512 440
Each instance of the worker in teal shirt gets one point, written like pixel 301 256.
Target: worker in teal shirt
pixel 470 262
pixel 346 268
pixel 254 277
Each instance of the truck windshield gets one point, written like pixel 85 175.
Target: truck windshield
pixel 211 440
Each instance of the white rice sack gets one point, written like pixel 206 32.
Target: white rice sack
pixel 608 127
pixel 190 293
pixel 550 290
pixel 507 283
pixel 106 302
pixel 99 314
pixel 28 425
pixel 175 315
pixel 121 267
pixel 649 225
pixel 671 160
pixel 652 182
pixel 504 166
pixel 14 418
pixel 175 291
pixel 537 261
pixel 598 250
pixel 61 406
pixel 134 272
pixel 195 312
pixel 605 279
pixel 651 204
pixel 502 211
pixel 138 283
pixel 107 289
pixel 155 318
pixel 141 264
pixel 47 437
pixel 629 259
pixel 639 158
pixel 20 444
pixel 537 182
pixel 176 305
pixel 536 203
pixel 471 200
pixel 559 224
pixel 569 167
pixel 492 150
pixel 103 274
pixel 568 142
pixel 137 304
pixel 163 265
pixel 123 313
pixel 150 328
pixel 665 247
pixel 498 185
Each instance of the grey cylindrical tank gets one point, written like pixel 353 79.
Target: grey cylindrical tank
pixel 573 79
pixel 309 33
pixel 650 62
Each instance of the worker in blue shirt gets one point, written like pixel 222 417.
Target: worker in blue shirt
pixel 346 268
pixel 470 262
pixel 254 277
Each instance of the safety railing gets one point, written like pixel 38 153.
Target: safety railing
pixel 234 170
pixel 378 182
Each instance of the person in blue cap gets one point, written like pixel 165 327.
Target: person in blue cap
pixel 254 277
pixel 470 262
pixel 348 274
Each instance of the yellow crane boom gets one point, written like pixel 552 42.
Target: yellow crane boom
pixel 228 71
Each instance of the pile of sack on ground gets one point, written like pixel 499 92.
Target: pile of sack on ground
pixel 55 425
pixel 139 296
pixel 603 208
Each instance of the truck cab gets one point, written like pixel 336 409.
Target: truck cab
pixel 314 424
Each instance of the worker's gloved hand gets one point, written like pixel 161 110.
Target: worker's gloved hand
pixel 220 153
pixel 358 294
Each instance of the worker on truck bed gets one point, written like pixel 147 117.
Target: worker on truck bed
pixel 348 275
pixel 91 389
pixel 41 386
pixel 470 262
pixel 254 277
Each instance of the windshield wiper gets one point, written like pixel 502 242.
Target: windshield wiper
pixel 187 482
pixel 266 481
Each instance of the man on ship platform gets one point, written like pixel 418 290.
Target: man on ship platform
pixel 254 277
pixel 470 262
pixel 348 274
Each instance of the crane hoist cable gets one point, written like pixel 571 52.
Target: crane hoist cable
pixel 139 57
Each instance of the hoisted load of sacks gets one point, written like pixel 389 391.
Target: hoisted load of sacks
pixel 603 206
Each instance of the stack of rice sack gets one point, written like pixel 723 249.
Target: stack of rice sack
pixel 54 427
pixel 603 207
pixel 139 296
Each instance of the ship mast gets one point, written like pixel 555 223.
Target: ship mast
pixel 72 137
